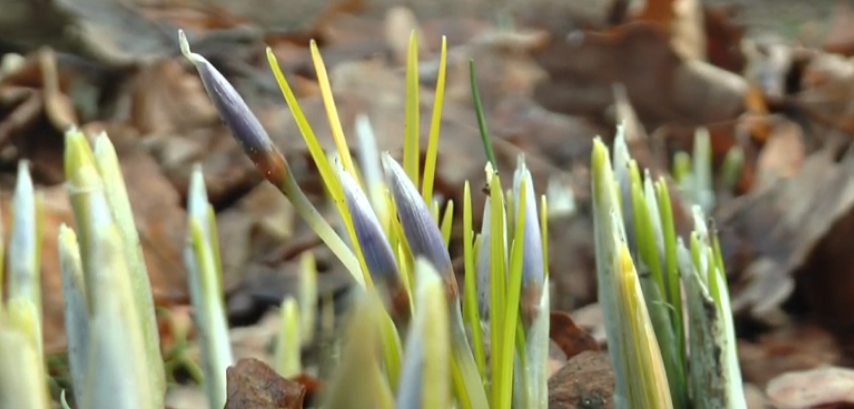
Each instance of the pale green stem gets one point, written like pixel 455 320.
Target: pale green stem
pixel 76 312
pixel 24 275
pixel 287 356
pixel 117 370
pixel 119 202
pixel 206 296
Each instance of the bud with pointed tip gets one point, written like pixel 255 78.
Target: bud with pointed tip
pixel 242 123
pixel 483 264
pixel 376 249
pixel 422 233
pixel 533 266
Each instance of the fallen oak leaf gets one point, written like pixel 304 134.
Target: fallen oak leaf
pixel 812 388
pixel 571 339
pixel 585 382
pixel 682 20
pixel 840 35
pixel 723 38
pixel 662 86
pixel 252 384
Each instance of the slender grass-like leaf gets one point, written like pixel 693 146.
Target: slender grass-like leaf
pixel 604 203
pixel 118 375
pixel 307 298
pixel 470 298
pixel 510 314
pixel 481 122
pixel 544 231
pixel 373 174
pixel 731 168
pixel 447 222
pixel 76 312
pixel 682 169
pixel 435 125
pixel 672 280
pixel 24 242
pixel 287 355
pixel 23 383
pixel 648 380
pixel 425 380
pixel 653 291
pixel 702 172
pixel 114 187
pixel 205 294
pixel 331 110
pixel 358 382
pixel 497 289
pixel 325 169
pixel 412 140
pixel 467 383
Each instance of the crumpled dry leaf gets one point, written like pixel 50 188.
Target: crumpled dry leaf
pixel 813 388
pixel 782 155
pixel 252 384
pixel 795 229
pixel 828 90
pixel 569 337
pixel 36 93
pixel 167 98
pixel 840 36
pixel 723 38
pixel 682 20
pixel 662 86
pixel 585 382
pixel 796 347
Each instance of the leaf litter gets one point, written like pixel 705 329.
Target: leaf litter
pixel 551 78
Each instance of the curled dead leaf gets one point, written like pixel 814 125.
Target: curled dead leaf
pixel 569 337
pixel 252 384
pixel 813 388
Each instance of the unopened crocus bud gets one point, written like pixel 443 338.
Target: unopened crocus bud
pixel 242 123
pixel 483 264
pixel 376 249
pixel 422 233
pixel 533 267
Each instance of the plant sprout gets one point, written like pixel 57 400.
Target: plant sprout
pixel 641 277
pixel 386 249
pixel 413 338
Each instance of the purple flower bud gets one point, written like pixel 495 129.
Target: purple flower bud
pixel 376 250
pixel 483 264
pixel 422 233
pixel 533 265
pixel 242 123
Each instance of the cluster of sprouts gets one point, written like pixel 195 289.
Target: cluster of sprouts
pixel 415 337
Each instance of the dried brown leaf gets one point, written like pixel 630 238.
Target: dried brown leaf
pixel 168 98
pixel 840 36
pixel 813 388
pixel 571 339
pixel 682 20
pixel 662 86
pixel 585 382
pixel 795 347
pixel 252 384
